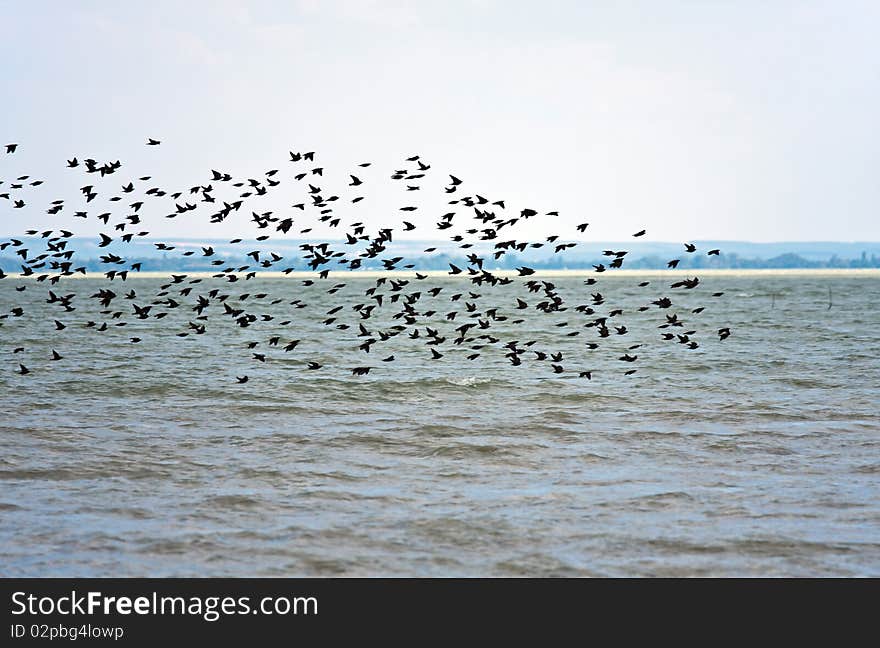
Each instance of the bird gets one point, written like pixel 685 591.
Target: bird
pixel 393 305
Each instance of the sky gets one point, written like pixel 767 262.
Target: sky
pixel 694 120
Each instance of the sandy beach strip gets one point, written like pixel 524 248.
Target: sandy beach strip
pixel 538 274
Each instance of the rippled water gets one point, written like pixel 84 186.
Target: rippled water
pixel 759 455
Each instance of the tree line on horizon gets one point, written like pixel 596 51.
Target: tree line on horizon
pixel 11 264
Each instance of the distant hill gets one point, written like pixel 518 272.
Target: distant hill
pixel 641 255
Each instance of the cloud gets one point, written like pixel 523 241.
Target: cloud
pixel 381 13
pixel 193 48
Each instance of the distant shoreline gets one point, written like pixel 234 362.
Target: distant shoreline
pixel 438 274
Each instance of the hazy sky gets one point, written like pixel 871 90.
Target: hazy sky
pixel 695 119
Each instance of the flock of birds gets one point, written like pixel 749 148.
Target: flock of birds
pixel 487 224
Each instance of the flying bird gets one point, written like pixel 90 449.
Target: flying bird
pixel 375 310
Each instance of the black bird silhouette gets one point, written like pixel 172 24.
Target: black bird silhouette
pixel 477 326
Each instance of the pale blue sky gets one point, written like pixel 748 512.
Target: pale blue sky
pixel 697 120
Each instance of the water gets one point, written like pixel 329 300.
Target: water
pixel 759 455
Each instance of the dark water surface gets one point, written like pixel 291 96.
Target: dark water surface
pixel 759 455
